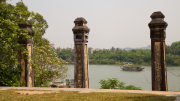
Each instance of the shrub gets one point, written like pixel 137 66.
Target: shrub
pixel 115 84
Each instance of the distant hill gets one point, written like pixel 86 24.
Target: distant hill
pixel 148 47
pixel 129 48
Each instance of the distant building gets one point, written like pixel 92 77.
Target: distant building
pixel 59 49
pixel 69 48
pixel 97 49
pixel 52 45
pixel 90 50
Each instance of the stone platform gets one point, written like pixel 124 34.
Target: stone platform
pixel 85 90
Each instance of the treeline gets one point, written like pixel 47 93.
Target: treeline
pixel 67 55
pixel 118 56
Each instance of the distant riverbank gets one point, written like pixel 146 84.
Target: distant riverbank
pixel 118 63
pixel 143 64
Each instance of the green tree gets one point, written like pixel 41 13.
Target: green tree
pixel 9 46
pixel 115 84
pixel 168 49
pixel 133 50
pixel 132 87
pixel 47 65
pixel 67 55
pixel 104 84
pixel 39 23
pixel 177 50
pixel 175 46
pixel 112 49
pixel 117 49
pixel 121 85
pixel 2 1
pixel 46 68
pixel 57 50
pixel 117 57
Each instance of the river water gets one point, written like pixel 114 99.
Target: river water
pixel 137 78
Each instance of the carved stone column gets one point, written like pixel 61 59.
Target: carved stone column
pixel 81 71
pixel 158 55
pixel 27 73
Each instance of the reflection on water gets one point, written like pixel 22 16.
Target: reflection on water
pixel 138 78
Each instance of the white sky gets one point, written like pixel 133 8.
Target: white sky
pixel 118 23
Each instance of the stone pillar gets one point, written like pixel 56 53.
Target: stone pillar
pixel 27 73
pixel 158 55
pixel 81 64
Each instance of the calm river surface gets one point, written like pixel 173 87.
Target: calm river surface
pixel 137 78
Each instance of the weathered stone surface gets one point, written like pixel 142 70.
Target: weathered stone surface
pixel 25 25
pixel 80 26
pixel 80 20
pixel 27 73
pixel 158 57
pixel 81 32
pixel 157 14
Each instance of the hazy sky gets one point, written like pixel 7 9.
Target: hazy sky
pixel 118 23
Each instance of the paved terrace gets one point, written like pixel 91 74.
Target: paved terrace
pixel 85 90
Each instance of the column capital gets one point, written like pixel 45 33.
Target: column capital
pixel 157 25
pixel 25 25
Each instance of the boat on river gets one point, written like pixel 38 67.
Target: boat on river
pixel 128 66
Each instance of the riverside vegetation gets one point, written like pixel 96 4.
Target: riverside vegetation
pixel 115 84
pixel 118 56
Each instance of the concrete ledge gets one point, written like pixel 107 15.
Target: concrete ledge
pixel 85 90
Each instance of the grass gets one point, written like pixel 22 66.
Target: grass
pixel 10 95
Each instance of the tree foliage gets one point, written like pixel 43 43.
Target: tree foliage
pixel 46 63
pixel 175 47
pixel 117 57
pixel 9 47
pixel 67 55
pixel 115 84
